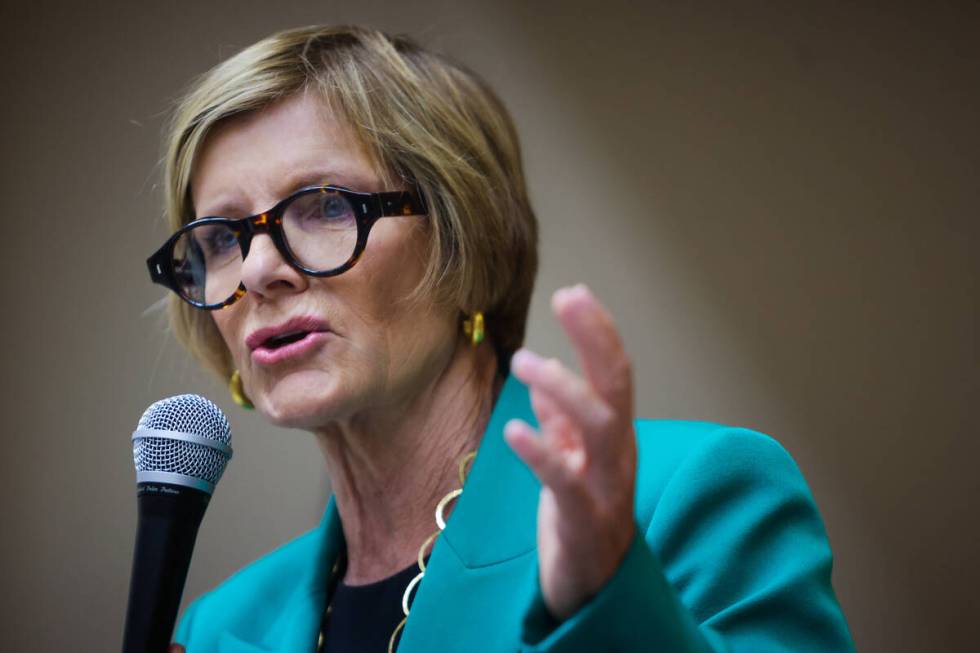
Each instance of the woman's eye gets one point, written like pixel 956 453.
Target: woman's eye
pixel 218 241
pixel 334 208
pixel 223 241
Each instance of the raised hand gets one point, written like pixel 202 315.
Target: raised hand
pixel 584 455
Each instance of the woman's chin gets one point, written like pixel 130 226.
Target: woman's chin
pixel 301 403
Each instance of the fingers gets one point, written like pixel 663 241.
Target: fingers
pixel 585 423
pixel 557 430
pixel 544 408
pixel 597 343
pixel 175 648
pixel 562 390
pixel 556 467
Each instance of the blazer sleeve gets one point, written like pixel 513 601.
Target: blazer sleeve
pixel 734 558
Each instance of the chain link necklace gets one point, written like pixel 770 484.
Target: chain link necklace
pixel 464 465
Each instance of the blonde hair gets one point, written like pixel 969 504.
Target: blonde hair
pixel 423 119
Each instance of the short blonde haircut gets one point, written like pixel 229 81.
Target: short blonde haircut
pixel 423 119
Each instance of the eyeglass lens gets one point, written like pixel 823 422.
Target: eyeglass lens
pixel 320 230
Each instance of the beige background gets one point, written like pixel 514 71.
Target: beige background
pixel 778 202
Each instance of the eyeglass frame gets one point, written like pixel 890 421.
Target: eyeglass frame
pixel 368 208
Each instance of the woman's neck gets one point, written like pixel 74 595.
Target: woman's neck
pixel 388 471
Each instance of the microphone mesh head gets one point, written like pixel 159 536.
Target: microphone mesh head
pixel 183 414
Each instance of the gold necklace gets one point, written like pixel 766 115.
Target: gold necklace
pixel 429 542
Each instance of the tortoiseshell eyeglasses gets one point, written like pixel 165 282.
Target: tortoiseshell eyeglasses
pixel 319 230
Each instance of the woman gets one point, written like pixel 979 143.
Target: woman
pixel 380 304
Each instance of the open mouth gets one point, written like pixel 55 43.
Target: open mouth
pixel 283 339
pixel 290 340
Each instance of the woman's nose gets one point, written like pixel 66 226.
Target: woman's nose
pixel 265 272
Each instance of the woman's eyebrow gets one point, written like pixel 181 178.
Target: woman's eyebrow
pixel 231 206
pixel 332 177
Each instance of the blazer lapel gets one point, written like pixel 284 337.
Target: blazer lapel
pixel 300 625
pixel 486 556
pixel 496 517
pixel 303 627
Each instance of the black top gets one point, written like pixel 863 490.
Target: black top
pixel 363 617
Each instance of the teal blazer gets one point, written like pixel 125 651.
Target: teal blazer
pixel 729 555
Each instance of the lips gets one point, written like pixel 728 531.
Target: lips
pixel 290 339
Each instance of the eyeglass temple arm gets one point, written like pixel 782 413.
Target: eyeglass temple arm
pixel 407 202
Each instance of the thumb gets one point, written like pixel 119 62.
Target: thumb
pixel 175 648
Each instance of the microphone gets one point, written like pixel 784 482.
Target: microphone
pixel 180 447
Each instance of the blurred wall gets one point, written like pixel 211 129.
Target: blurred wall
pixel 778 203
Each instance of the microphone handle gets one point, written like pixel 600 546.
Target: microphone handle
pixel 169 516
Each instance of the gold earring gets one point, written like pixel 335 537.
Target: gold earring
pixel 474 328
pixel 237 390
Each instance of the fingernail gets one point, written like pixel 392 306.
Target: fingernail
pixel 562 296
pixel 523 359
